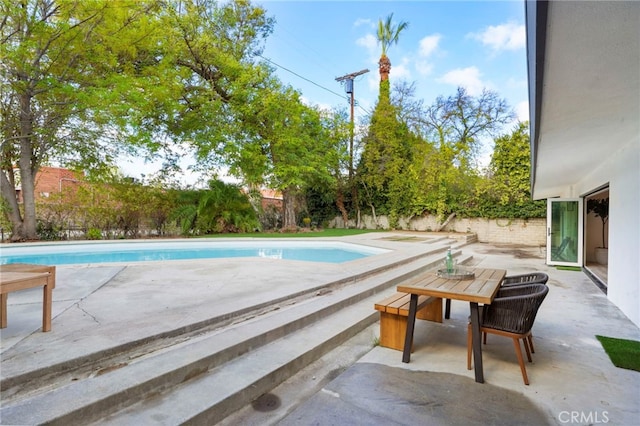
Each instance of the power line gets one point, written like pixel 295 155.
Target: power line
pixel 316 84
pixel 304 78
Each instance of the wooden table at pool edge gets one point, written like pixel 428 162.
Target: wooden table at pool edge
pixel 20 276
pixel 481 289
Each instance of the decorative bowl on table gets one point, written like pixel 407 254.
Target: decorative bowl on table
pixel 456 274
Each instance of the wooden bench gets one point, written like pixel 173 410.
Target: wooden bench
pixel 394 311
pixel 20 276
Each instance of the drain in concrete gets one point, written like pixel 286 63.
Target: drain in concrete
pixel 266 402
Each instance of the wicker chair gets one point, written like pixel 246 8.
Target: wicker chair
pixel 531 278
pixel 511 314
pixel 523 279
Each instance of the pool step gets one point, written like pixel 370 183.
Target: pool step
pixel 206 378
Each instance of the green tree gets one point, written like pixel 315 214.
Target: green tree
pixel 220 208
pixel 506 190
pixel 83 79
pixel 252 124
pixel 457 126
pixel 282 143
pixel 324 192
pixel 388 146
pixel 212 48
pixel 225 208
pixel 385 173
pixel 66 83
pixel 388 34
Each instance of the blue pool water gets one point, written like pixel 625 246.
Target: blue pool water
pixel 110 252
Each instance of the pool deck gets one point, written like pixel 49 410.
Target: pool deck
pixel 101 306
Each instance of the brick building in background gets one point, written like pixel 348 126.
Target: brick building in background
pixel 52 180
pixel 271 198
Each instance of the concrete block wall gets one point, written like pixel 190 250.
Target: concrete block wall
pixel 531 232
pixel 504 231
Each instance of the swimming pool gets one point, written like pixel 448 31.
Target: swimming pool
pixel 140 251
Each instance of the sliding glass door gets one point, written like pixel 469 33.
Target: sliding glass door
pixel 564 231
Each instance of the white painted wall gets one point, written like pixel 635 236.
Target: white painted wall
pixel 622 171
pixel 624 231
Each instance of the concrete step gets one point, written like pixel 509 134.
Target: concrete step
pixel 220 392
pixel 19 382
pixel 216 373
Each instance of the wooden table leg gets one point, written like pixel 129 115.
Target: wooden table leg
pixel 3 310
pixel 47 299
pixel 411 322
pixel 477 344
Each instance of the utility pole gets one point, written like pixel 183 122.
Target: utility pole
pixel 348 79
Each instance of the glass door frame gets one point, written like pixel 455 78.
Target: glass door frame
pixel 552 229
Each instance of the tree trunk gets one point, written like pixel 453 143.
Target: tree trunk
pixel 12 213
pixel 446 222
pixel 384 67
pixel 289 205
pixel 27 172
pixel 355 203
pixel 340 205
pixel 370 203
pixel 373 213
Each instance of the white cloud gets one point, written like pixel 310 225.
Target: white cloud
pixel 373 81
pixel 522 111
pixel 509 36
pixel 363 21
pixel 424 68
pixel 469 78
pixel 321 106
pixel 369 42
pixel 401 71
pixel 428 45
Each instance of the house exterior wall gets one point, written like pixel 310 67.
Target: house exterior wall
pixel 50 180
pixel 585 133
pixel 622 172
pixel 623 169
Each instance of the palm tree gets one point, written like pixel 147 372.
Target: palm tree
pixel 387 35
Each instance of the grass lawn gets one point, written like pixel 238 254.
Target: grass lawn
pixel 333 232
pixel 623 353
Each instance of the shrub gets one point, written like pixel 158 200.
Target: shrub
pixel 94 234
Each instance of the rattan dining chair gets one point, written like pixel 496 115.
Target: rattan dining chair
pixel 511 314
pixel 509 280
pixel 522 279
pixel 530 278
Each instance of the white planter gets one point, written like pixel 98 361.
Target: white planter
pixel 602 255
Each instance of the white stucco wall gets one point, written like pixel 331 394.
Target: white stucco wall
pixel 622 172
pixel 624 231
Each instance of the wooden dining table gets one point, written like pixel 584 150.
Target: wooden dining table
pixel 481 289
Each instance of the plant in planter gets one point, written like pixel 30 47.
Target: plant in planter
pixel 600 208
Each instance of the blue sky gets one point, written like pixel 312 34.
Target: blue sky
pixel 473 44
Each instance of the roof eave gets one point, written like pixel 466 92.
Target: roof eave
pixel 536 24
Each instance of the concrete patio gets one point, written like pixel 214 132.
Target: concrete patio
pixel 106 306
